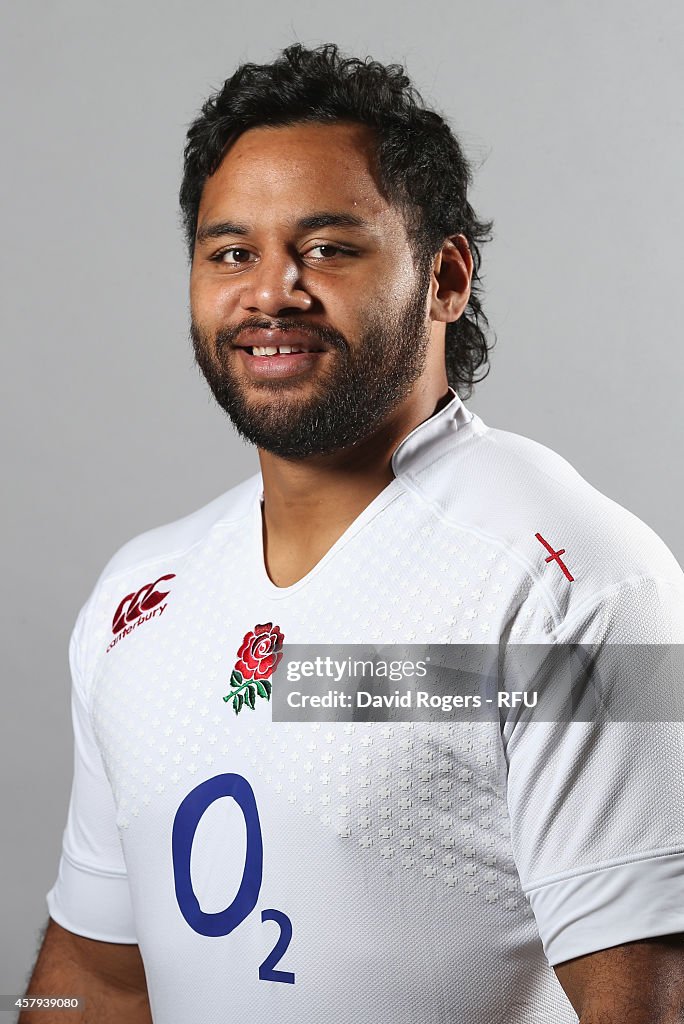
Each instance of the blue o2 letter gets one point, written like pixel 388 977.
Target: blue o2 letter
pixel 267 971
pixel 185 825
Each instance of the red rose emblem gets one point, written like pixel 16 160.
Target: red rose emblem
pixel 260 652
pixel 257 659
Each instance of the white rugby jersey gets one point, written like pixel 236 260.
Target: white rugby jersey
pixel 366 872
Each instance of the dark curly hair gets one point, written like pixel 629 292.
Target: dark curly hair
pixel 420 163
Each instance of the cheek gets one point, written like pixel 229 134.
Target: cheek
pixel 210 299
pixel 403 283
pixel 392 284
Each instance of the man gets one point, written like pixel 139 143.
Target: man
pixel 220 865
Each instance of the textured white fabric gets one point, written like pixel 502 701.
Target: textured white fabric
pixel 424 868
pixel 91 896
pixel 610 904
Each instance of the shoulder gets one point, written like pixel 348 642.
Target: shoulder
pixel 146 566
pixel 178 538
pixel 526 499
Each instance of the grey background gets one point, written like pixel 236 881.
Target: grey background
pixel 572 113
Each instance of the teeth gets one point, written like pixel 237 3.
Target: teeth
pixel 270 350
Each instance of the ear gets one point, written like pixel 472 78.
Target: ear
pixel 452 273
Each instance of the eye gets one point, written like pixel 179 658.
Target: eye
pixel 239 256
pixel 330 251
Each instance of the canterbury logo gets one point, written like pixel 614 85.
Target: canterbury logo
pixel 139 606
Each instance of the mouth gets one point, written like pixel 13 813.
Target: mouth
pixel 279 362
pixel 277 350
pixel 268 354
pixel 259 341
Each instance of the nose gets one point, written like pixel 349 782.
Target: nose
pixel 273 286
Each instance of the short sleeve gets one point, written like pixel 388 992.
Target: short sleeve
pixel 91 894
pixel 597 808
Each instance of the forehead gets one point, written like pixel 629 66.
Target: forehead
pixel 289 170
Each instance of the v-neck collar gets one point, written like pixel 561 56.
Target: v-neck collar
pixel 423 444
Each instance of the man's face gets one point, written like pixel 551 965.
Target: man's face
pixel 296 247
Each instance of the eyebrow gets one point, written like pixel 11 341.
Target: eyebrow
pixel 324 219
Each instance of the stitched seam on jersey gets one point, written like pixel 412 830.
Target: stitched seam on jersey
pixel 78 675
pixel 75 644
pixel 178 552
pixel 93 871
pixel 461 437
pixel 442 415
pixel 95 597
pixel 529 568
pixel 598 868
pixel 529 462
pixel 83 651
pixel 487 434
pixel 628 582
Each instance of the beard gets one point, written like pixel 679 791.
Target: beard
pixel 348 402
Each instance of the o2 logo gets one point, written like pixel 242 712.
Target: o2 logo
pixel 185 824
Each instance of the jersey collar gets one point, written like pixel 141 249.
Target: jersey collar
pixel 431 437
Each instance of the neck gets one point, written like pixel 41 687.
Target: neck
pixel 322 494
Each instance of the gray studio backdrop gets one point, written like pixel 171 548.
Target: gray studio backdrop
pixel 572 114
